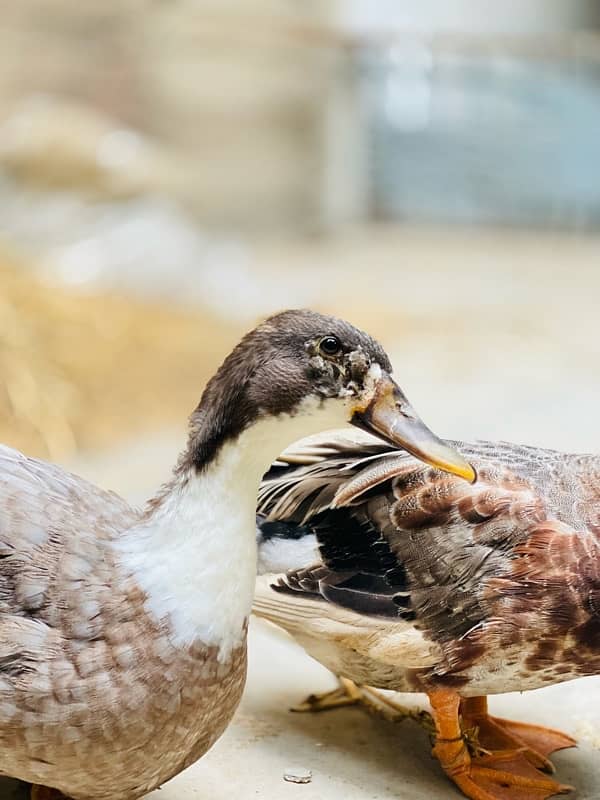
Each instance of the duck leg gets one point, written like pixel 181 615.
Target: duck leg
pixel 45 793
pixel 494 733
pixel 349 693
pixel 499 775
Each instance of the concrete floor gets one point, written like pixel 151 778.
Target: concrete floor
pixel 492 336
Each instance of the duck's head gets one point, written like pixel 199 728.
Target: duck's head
pixel 300 372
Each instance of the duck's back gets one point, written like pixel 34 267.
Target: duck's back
pixel 567 484
pixel 36 495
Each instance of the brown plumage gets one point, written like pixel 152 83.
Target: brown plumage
pixel 429 583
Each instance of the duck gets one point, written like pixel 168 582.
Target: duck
pixel 398 576
pixel 123 630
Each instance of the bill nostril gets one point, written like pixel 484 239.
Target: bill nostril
pixel 405 409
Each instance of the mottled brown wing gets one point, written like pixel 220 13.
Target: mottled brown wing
pixel 455 557
pixel 50 523
pixel 455 538
pixel 549 598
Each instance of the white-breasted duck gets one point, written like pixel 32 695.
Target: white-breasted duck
pixel 123 631
pixel 426 583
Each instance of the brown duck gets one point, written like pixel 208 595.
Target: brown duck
pixel 123 631
pixel 410 579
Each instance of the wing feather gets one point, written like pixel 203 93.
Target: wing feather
pixel 42 507
pixel 399 539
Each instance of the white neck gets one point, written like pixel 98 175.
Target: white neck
pixel 195 556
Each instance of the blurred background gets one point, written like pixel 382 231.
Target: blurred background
pixel 173 170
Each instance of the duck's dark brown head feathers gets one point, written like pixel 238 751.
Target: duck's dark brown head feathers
pixel 291 358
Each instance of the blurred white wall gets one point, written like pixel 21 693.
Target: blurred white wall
pixel 257 102
pixel 518 17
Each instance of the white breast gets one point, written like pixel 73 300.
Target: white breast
pixel 195 557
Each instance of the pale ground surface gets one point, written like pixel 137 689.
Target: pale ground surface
pixel 493 336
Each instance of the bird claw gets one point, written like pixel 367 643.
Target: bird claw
pixel 506 775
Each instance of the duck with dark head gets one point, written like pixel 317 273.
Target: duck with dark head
pixel 123 632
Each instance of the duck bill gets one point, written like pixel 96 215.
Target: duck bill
pixel 390 416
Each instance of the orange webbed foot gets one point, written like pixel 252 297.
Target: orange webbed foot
pixel 507 775
pixel 504 774
pixel 494 733
pixel 536 737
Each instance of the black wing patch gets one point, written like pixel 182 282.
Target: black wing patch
pixel 360 572
pixel 281 529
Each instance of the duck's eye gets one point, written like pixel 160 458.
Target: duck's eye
pixel 330 346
